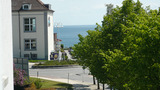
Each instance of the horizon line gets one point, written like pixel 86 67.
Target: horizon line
pixel 81 25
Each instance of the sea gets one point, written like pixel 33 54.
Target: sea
pixel 69 34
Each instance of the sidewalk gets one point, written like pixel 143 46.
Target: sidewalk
pixel 30 64
pixel 76 84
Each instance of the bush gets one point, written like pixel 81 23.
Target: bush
pixel 56 62
pixel 19 77
pixel 32 87
pixel 66 57
pixel 62 50
pixel 38 83
pixel 62 46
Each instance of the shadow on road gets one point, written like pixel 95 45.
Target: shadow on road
pixel 80 87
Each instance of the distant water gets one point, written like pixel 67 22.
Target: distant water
pixel 69 34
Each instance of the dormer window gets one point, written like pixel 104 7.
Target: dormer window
pixel 26 6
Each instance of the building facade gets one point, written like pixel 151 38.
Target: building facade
pixel 56 43
pixel 32 29
pixel 6 52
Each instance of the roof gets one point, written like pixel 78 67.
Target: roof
pixel 35 5
pixel 59 40
pixel 56 39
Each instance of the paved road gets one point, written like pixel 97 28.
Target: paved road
pixel 75 73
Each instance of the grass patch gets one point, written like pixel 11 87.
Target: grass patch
pixel 51 84
pixel 54 63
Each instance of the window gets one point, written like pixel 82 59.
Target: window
pixel 49 21
pixel 29 24
pixel 33 56
pixel 26 55
pixel 30 44
pixel 26 6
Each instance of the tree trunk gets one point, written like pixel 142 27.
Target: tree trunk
pixel 98 84
pixel 110 87
pixel 103 86
pixel 158 88
pixel 94 82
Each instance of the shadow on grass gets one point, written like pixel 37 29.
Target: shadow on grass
pixel 67 86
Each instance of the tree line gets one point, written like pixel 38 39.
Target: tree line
pixel 124 52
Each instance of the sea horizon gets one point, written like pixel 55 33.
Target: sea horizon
pixel 69 33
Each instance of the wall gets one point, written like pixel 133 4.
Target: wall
pixel 6 65
pixel 15 27
pixel 38 35
pixel 43 34
pixel 50 34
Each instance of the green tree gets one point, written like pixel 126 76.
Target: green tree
pixel 62 46
pixel 124 52
pixel 87 51
pixel 132 40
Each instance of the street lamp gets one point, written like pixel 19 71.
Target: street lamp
pixel 59 25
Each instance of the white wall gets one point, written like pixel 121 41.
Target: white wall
pixel 6 59
pixel 50 35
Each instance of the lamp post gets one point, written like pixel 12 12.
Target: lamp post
pixel 58 26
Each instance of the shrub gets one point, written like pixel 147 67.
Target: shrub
pixel 38 83
pixel 32 87
pixel 62 46
pixel 19 77
pixel 66 57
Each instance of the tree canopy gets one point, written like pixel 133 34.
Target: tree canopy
pixel 124 52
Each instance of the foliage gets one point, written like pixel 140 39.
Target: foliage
pixel 62 50
pixel 66 57
pixel 19 77
pixel 55 62
pixel 124 51
pixel 49 85
pixel 62 46
pixel 32 87
pixel 38 83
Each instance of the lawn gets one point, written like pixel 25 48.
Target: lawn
pixel 52 84
pixel 55 62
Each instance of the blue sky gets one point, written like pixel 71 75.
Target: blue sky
pixel 86 12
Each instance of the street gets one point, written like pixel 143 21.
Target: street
pixel 73 73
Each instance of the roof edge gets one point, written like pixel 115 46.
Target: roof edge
pixel 42 4
pixel 31 10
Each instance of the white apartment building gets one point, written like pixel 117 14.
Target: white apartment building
pixel 6 65
pixel 32 29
